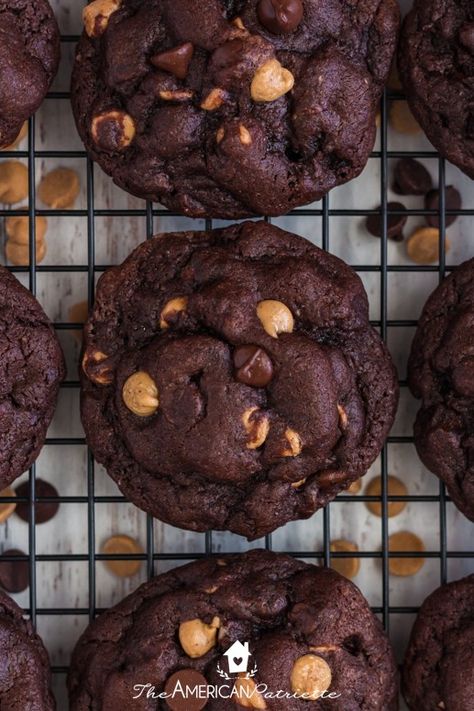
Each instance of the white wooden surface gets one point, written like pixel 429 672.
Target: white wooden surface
pixel 66 584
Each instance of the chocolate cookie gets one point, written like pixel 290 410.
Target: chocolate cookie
pixel 231 379
pixel 439 664
pixel 251 625
pixel 441 373
pixel 29 58
pixel 245 107
pixel 436 62
pixel 31 369
pixel 25 677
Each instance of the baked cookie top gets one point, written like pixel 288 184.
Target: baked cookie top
pixel 304 630
pixel 439 664
pixel 31 369
pixel 441 373
pixel 436 61
pixel 245 107
pixel 25 677
pixel 29 58
pixel 231 379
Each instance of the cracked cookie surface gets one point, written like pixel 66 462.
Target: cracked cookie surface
pixel 31 369
pixel 231 378
pixel 295 617
pixel 29 58
pixel 243 108
pixel 441 373
pixel 436 61
pixel 439 664
pixel 25 677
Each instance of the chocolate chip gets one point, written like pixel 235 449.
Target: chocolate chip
pixel 176 61
pixel 194 700
pixel 466 36
pixel 44 511
pixel 411 178
pixel 253 366
pixel 14 575
pixel 395 223
pixel 453 202
pixel 280 16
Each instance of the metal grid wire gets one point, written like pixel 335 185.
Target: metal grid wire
pixel 323 216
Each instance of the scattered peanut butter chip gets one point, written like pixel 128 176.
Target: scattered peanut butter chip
pixel 13 182
pixel 247 694
pixel 171 309
pixel 405 542
pixel 271 81
pixel 293 445
pixel 19 254
pixel 113 130
pixel 423 245
pixel 355 487
pixel 378 119
pixel 214 100
pixel 97 14
pixel 177 95
pixel 140 394
pixel 6 509
pixel 97 367
pixel 59 188
pixel 256 425
pixel 402 120
pixel 348 567
pixel 122 545
pixel 395 487
pixel 275 317
pixel 23 133
pixel 311 676
pixel 197 638
pixel 18 229
pixel 78 314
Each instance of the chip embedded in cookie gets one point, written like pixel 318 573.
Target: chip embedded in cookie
pixel 441 374
pixel 29 59
pixel 242 108
pixel 231 379
pixel 31 370
pixel 436 61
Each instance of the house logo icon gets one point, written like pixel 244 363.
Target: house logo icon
pixel 238 657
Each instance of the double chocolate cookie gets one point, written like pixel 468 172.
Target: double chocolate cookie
pixel 31 369
pixel 441 373
pixel 439 664
pixel 29 58
pixel 231 379
pixel 25 676
pixel 243 107
pixel 245 628
pixel 436 62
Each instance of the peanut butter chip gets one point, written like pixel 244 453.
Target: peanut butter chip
pixel 395 487
pixel 355 487
pixel 214 100
pixel 78 314
pixel 310 677
pixel 122 545
pixel 423 245
pixel 257 426
pixel 179 95
pixel 172 309
pixel 19 254
pixel 275 317
pixel 6 509
pixel 405 541
pixel 197 638
pixel 113 130
pixel 271 81
pixel 244 136
pixel 13 182
pixel 97 14
pixel 402 120
pixel 348 567
pixel 96 367
pixel 247 695
pixel 294 444
pixel 59 188
pixel 23 133
pixel 18 229
pixel 140 394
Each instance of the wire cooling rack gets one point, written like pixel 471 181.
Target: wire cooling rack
pixel 450 546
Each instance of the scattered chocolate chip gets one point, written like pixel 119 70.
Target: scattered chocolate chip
pixel 176 61
pixel 453 202
pixel 280 16
pixel 14 574
pixel 44 511
pixel 395 223
pixel 411 178
pixel 466 36
pixel 253 366
pixel 186 678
